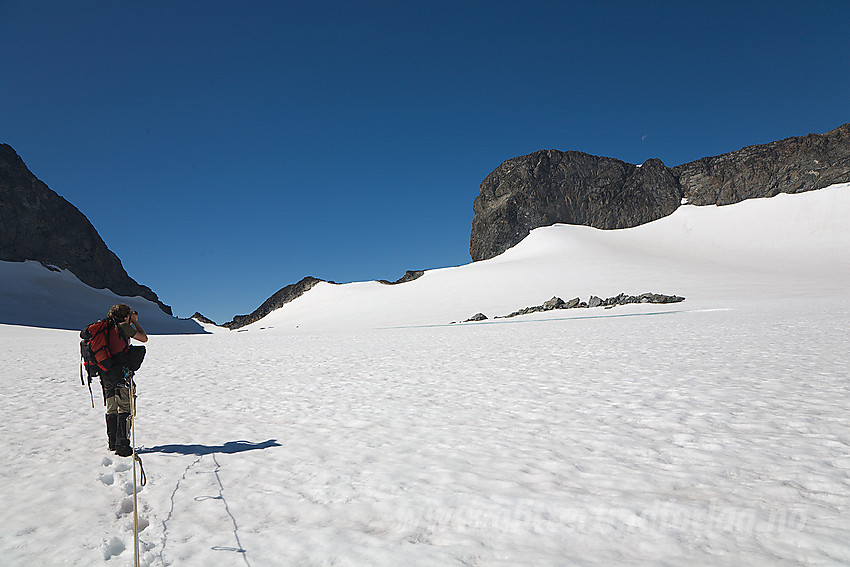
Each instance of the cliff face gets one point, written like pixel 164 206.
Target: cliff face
pixel 792 165
pixel 549 186
pixel 37 224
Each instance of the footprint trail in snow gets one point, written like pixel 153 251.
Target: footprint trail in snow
pixel 117 477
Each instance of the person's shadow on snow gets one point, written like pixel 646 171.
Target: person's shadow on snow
pixel 228 448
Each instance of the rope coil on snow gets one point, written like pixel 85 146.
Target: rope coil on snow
pixel 143 480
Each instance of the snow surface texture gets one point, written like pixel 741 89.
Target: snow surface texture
pixel 710 432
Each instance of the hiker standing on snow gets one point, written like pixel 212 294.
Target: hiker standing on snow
pixel 116 381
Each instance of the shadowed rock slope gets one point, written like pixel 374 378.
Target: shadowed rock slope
pixel 37 224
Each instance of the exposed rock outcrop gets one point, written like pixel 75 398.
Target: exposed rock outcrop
pixel 576 303
pixel 276 301
pixel 199 317
pixel 296 290
pixel 550 186
pixel 37 224
pixel 793 165
pixel 408 276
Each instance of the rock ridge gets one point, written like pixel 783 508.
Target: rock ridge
pixel 408 276
pixel 276 301
pixel 296 290
pixel 550 186
pixel 198 316
pixel 38 224
pixel 792 165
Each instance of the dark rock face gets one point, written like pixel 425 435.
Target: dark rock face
pixel 793 165
pixel 276 301
pixel 37 224
pixel 200 317
pixel 549 186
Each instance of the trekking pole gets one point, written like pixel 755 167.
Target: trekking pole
pixel 135 501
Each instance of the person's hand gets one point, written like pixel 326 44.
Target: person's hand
pixel 134 316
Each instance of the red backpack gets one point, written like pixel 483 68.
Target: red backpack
pixel 100 342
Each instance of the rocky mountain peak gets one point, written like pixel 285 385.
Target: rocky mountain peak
pixel 550 186
pixel 38 224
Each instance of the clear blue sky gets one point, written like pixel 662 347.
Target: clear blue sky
pixel 224 150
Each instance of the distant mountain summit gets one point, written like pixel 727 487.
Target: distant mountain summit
pixel 550 186
pixel 37 224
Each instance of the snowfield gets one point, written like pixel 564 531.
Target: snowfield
pixel 355 426
pixel 789 245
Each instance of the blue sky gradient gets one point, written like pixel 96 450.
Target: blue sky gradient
pixel 224 150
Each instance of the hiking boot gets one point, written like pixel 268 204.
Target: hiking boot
pixel 111 429
pixel 124 449
pixel 122 444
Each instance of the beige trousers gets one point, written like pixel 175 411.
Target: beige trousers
pixel 119 403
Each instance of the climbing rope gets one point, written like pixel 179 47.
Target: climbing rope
pixel 144 480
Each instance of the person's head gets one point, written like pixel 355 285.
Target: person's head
pixel 119 312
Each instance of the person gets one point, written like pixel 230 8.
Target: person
pixel 116 382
